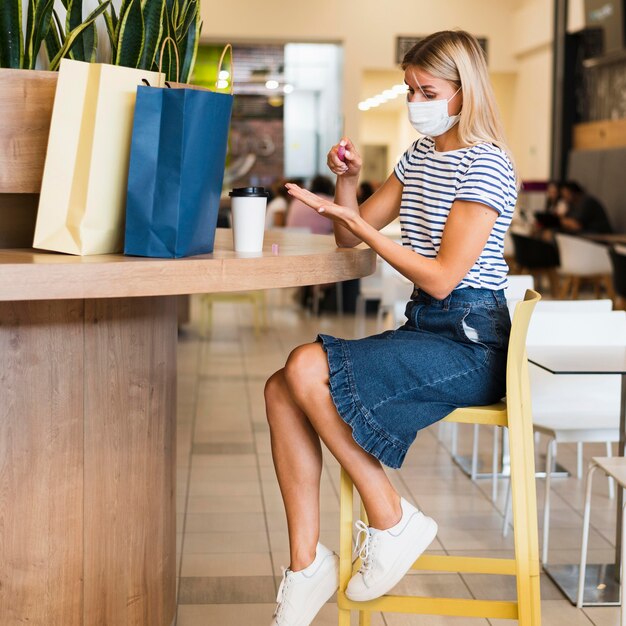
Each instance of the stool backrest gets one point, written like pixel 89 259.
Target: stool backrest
pixel 517 385
pixel 521 438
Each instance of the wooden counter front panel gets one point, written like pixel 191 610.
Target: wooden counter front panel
pixel 130 510
pixel 41 463
pixel 87 462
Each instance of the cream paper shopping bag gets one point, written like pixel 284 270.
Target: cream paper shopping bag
pixel 83 191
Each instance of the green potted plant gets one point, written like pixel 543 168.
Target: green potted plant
pixel 142 31
pixel 135 33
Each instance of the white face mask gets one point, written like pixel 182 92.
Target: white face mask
pixel 431 117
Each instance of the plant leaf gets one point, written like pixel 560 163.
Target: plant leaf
pixel 153 11
pixel 131 36
pixel 73 19
pixel 189 49
pixel 90 43
pixel 188 16
pixel 167 58
pixel 40 26
pixel 71 37
pixel 123 9
pixel 53 38
pixel 108 20
pixel 12 41
pixel 29 28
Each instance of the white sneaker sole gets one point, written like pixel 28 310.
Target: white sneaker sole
pixel 401 566
pixel 320 595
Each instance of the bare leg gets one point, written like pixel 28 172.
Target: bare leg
pixel 307 374
pixel 297 456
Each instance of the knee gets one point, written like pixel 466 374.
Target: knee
pixel 306 368
pixel 274 386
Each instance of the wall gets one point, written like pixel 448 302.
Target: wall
pixel 532 104
pixel 367 30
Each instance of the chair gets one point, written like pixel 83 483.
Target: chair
pixel 573 408
pixel 583 260
pixel 617 255
pixel 517 287
pixel 537 257
pixel 515 414
pixel 615 469
pixel 256 298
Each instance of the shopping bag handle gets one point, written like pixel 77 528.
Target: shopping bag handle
pixel 227 48
pixel 177 57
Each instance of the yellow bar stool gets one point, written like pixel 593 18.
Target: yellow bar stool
pixel 516 415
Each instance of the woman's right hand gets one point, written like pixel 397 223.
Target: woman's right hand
pixel 350 166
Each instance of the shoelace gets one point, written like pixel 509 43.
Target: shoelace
pixel 281 592
pixel 362 551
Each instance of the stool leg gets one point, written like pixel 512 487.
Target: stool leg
pixel 494 465
pixel 346 497
pixel 475 451
pixel 365 618
pixel 550 456
pixel 527 568
pixel 609 453
pixel 454 445
pixel 507 511
pixel 344 618
pixel 579 460
pixel 585 539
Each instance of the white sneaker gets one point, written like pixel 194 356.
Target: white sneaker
pixel 302 594
pixel 387 555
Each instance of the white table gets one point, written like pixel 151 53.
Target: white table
pixel 601 580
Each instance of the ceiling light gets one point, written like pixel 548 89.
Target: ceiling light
pixel 224 75
pixel 222 84
pixel 390 94
pixel 288 88
pixel 399 88
pixel 363 106
pixel 271 84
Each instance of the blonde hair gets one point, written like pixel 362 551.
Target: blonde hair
pixel 456 56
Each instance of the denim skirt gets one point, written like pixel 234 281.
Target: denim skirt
pixel 450 353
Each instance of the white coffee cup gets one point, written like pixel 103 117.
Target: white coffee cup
pixel 248 206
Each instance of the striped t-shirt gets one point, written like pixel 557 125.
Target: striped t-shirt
pixel 433 180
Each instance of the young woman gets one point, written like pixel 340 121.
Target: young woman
pixel 454 190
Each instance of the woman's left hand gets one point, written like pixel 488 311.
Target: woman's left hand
pixel 343 215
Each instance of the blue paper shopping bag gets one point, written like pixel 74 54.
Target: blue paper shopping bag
pixel 176 171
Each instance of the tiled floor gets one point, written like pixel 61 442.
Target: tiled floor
pixel 231 531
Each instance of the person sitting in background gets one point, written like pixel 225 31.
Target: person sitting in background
pixel 299 215
pixel 555 203
pixel 584 214
pixel 277 207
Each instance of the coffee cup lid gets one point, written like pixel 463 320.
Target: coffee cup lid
pixel 249 192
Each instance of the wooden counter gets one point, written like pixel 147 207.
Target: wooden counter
pixel 302 260
pixel 88 421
